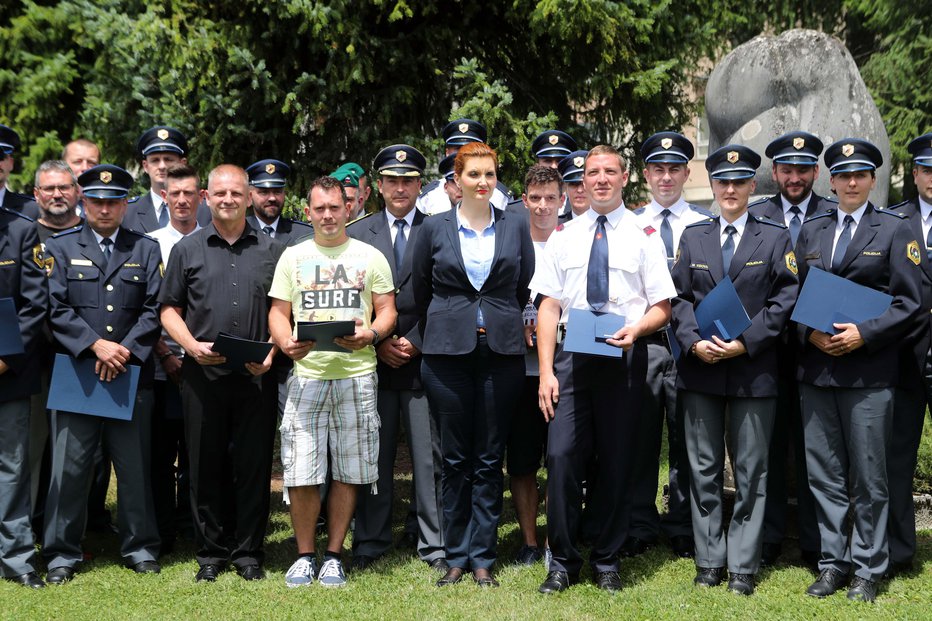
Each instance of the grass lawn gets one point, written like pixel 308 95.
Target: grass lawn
pixel 401 587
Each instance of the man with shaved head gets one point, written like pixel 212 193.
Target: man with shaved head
pixel 216 281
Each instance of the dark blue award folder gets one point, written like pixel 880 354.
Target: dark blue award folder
pixel 323 333
pixel 11 341
pixel 827 299
pixel 586 332
pixel 239 351
pixel 75 387
pixel 721 313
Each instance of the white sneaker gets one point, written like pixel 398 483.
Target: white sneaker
pixel 301 573
pixel 331 573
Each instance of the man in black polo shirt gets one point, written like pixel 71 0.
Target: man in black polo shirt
pixel 216 281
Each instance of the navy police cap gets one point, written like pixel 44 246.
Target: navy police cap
pixel 733 161
pixel 268 174
pixel 162 139
pixel 553 144
pixel 446 166
pixel 399 160
pixel 572 166
pixel 921 150
pixel 852 155
pixel 801 148
pixel 667 148
pixel 105 181
pixel 463 131
pixel 9 140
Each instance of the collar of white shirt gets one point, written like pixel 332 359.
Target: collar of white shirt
pixel 676 209
pixel 613 217
pixel 787 205
pixel 100 237
pixel 461 224
pixel 925 209
pixel 857 214
pixel 408 218
pixel 739 225
pixel 157 202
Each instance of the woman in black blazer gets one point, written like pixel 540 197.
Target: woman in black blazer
pixel 472 266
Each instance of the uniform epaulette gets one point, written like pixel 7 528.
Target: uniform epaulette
pixel 68 232
pixel 824 214
pixel 830 199
pixel 764 220
pixel 430 186
pixel 701 210
pixel 889 212
pixel 134 199
pixel 900 205
pixel 759 201
pixel 700 223
pixel 140 234
pixel 360 218
pixel 16 213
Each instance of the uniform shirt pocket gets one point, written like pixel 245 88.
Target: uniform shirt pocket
pixel 134 288
pixel 83 284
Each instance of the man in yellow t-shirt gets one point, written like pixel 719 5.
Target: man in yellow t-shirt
pixel 332 395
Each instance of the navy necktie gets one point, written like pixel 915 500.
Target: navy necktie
pixel 728 248
pixel 400 242
pixel 795 224
pixel 666 233
pixel 597 276
pixel 106 242
pixel 268 230
pixel 163 216
pixel 843 240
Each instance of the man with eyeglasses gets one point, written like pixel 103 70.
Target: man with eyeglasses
pixel 56 193
pixel 20 203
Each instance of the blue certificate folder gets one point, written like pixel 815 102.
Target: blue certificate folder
pixel 827 299
pixel 323 333
pixel 11 341
pixel 75 387
pixel 238 351
pixel 586 332
pixel 721 313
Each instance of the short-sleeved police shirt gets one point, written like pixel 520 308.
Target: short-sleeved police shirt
pixel 222 287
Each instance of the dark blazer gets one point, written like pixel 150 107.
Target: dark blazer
pixel 23 280
pixel 374 230
pixel 446 299
pixel 764 274
pixel 772 208
pixel 288 232
pixel 877 257
pixel 21 203
pixel 140 214
pixel 116 302
pixel 919 339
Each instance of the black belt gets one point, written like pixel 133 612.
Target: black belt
pixel 658 338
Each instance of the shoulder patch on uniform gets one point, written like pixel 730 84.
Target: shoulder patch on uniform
pixel 790 259
pixel 649 230
pixel 764 220
pixel 912 252
pixel 700 223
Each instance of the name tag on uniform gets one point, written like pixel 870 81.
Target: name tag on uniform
pixel 698 266
pixel 753 263
pixel 872 253
pixel 5 262
pixel 131 265
pixel 81 262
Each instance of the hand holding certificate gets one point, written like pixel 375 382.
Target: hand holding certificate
pixel 77 387
pixel 323 333
pixel 587 333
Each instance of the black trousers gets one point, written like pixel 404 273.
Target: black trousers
pixel 229 436
pixel 472 396
pixel 597 416
pixel 170 482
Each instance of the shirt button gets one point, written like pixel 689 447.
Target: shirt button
pixel 109 287
pixel 232 264
pixel 80 276
pixel 135 277
pixel 234 284
pixel 235 304
pixel 236 324
pixel 109 328
pixel 110 307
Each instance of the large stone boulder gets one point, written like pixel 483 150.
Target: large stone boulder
pixel 802 79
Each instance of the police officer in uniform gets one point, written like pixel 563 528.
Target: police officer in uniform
pixel 666 158
pixel 914 390
pixel 847 379
pixel 103 285
pixel 401 397
pixel 550 147
pixel 729 388
pixel 577 198
pixel 603 261
pixel 434 198
pixel 23 281
pixel 158 148
pixel 14 201
pixel 795 168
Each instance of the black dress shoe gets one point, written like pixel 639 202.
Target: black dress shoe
pixel 742 584
pixel 453 575
pixel 608 581
pixel 146 567
pixel 683 546
pixel 556 582
pixel 31 580
pixel 484 579
pixel 528 555
pixel 362 562
pixel 59 575
pixel 829 581
pixel 251 572
pixel 439 565
pixel 635 546
pixel 709 576
pixel 207 573
pixel 862 590
pixel 769 554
